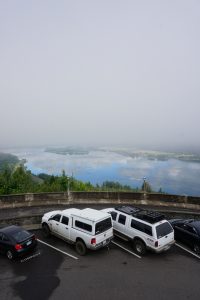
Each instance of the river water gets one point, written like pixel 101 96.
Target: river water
pixel 172 176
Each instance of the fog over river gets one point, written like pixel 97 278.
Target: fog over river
pixel 98 165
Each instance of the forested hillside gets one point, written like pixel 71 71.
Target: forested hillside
pixel 7 159
pixel 15 178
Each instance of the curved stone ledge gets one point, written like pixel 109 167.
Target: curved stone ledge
pixel 27 209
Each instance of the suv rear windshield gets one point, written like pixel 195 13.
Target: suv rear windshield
pixel 163 229
pixel 103 226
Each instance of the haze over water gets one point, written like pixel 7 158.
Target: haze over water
pixel 172 175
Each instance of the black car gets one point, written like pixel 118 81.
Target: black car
pixel 187 232
pixel 15 241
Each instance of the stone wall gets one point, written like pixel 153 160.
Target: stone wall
pixel 112 198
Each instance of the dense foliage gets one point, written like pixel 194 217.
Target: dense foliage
pixel 19 180
pixel 16 179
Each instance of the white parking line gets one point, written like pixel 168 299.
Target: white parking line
pixel 187 250
pixel 74 257
pixel 126 250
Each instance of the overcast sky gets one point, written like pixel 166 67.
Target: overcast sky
pixel 113 72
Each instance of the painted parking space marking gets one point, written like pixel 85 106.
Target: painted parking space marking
pixel 187 250
pixel 126 249
pixel 63 252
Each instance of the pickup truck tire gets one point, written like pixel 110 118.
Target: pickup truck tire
pixel 80 247
pixel 139 247
pixel 46 230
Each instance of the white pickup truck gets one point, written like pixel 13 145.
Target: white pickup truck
pixel 86 228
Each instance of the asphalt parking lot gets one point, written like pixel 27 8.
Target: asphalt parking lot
pixel 55 271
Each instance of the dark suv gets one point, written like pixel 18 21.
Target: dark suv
pixel 187 232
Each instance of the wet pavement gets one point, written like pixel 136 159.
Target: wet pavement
pixel 110 273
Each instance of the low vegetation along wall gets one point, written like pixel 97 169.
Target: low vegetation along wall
pixel 73 198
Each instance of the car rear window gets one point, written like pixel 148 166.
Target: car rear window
pixel 163 229
pixel 21 235
pixel 103 226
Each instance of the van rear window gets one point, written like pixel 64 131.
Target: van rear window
pixel 103 226
pixel 163 229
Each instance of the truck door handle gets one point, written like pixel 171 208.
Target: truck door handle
pixel 66 228
pixel 57 224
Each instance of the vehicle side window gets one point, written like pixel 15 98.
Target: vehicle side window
pixel 83 225
pixel 180 226
pixel 65 220
pixel 5 238
pixel 122 219
pixel 148 229
pixel 190 229
pixel 56 217
pixel 113 215
pixel 137 225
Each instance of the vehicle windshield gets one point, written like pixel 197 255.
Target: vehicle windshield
pixel 103 226
pixel 163 229
pixel 21 235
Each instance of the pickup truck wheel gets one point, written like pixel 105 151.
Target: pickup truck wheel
pixel 139 247
pixel 46 230
pixel 81 248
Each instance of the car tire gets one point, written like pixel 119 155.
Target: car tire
pixel 9 254
pixel 197 249
pixel 46 230
pixel 81 248
pixel 139 247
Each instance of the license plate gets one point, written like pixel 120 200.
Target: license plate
pixel 104 242
pixel 28 243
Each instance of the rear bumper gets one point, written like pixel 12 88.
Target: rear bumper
pixel 102 244
pixel 164 248
pixel 24 251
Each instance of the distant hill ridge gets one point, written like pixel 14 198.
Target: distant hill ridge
pixel 7 159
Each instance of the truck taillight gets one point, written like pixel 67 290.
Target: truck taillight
pixel 18 246
pixel 156 244
pixel 93 241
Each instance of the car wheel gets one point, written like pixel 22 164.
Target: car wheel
pixel 139 247
pixel 81 248
pixel 197 249
pixel 46 230
pixel 9 254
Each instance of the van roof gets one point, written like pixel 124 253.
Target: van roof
pixel 90 214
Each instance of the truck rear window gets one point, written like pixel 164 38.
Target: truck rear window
pixel 103 226
pixel 163 229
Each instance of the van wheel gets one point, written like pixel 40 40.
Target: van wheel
pixel 197 249
pixel 81 248
pixel 46 230
pixel 9 254
pixel 139 247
